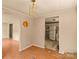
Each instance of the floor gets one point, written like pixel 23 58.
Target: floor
pixel 52 44
pixel 40 53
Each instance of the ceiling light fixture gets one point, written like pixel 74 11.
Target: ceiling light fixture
pixel 32 10
pixel 33 1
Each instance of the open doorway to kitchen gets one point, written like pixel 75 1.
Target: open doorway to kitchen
pixel 52 33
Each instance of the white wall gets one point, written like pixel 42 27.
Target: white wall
pixel 9 19
pixel 39 32
pixel 20 33
pixel 26 34
pixel 67 38
pixel 67 30
pixel 5 30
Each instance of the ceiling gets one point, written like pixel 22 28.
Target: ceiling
pixel 43 6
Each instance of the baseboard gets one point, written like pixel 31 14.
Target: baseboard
pixel 61 52
pixel 25 48
pixel 30 46
pixel 37 46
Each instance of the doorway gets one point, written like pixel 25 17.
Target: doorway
pixel 10 31
pixel 7 30
pixel 52 33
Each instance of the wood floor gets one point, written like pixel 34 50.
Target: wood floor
pixel 40 53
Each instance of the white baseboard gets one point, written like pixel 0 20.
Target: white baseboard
pixel 25 48
pixel 30 46
pixel 38 46
pixel 61 52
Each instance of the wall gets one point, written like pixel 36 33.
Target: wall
pixel 26 34
pixel 20 33
pixel 39 32
pixel 67 30
pixel 9 19
pixel 5 30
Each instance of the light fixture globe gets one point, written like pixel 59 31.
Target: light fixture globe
pixel 33 1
